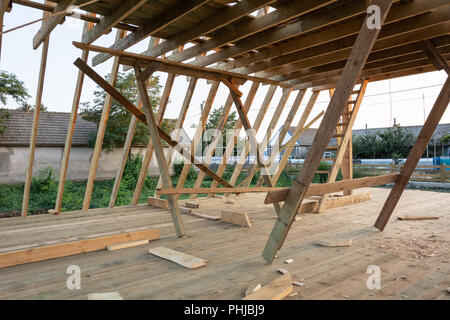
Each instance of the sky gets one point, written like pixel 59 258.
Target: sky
pixel 408 99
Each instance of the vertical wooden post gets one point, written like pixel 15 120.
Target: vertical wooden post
pixel 71 127
pixel 162 164
pixel 301 123
pixel 443 176
pixel 355 63
pixel 128 142
pixel 231 143
pixel 101 130
pixel 4 4
pixel 198 132
pixel 209 152
pixel 259 118
pixel 268 135
pixel 180 122
pixel 149 150
pixel 283 131
pixel 35 127
pixel 414 156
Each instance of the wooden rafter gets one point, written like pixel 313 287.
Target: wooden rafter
pixel 297 191
pixel 180 9
pixel 124 9
pixel 51 22
pixel 414 156
pixel 135 111
pixel 436 57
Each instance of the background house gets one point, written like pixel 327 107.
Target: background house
pixel 14 146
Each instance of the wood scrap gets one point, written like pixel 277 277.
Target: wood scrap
pixel 418 217
pixel 235 218
pixel 230 201
pixel 283 271
pixel 125 245
pixel 252 288
pixel 158 203
pixel 180 258
pixel 275 290
pixel 288 261
pixel 334 243
pixel 298 283
pixel 192 205
pixel 185 210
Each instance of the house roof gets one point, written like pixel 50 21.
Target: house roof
pixel 52 130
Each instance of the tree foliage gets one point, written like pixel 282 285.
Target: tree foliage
pixel 119 117
pixel 11 87
pixel 393 143
pixel 213 121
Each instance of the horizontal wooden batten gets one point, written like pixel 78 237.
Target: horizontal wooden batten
pixel 317 189
pixel 132 59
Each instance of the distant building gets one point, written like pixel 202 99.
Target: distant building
pixel 14 146
pixel 302 145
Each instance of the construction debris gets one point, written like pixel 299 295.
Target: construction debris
pixel 193 205
pixel 275 290
pixel 124 245
pixel 418 217
pixel 180 258
pixel 283 271
pixel 238 218
pixel 298 283
pixel 336 243
pixel 158 203
pixel 252 288
pixel 288 261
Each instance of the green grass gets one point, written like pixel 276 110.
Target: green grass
pixel 44 189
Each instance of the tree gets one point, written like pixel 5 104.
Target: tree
pixel 10 87
pixel 392 143
pixel 119 117
pixel 28 107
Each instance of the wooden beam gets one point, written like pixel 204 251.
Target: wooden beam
pixel 170 66
pixel 238 126
pixel 238 218
pixel 414 156
pixel 282 14
pixel 119 13
pixel 273 122
pixel 127 144
pixel 297 191
pixel 51 21
pixel 149 150
pixel 168 16
pixel 347 136
pixel 101 131
pixel 35 254
pixel 135 111
pixel 180 258
pixel 159 153
pixel 35 126
pixel 275 290
pixel 175 191
pixel 71 128
pixel 180 121
pixel 223 18
pixel 283 131
pixel 4 4
pixel 215 139
pixel 301 128
pixel 259 118
pixel 318 189
pixel 253 142
pixel 196 140
pixel 435 56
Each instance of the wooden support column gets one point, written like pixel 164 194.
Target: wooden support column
pixel 162 164
pixel 273 122
pixel 355 63
pixel 149 150
pixel 259 118
pixel 4 5
pixel 71 127
pixel 344 141
pixel 199 131
pixel 209 152
pixel 414 156
pixel 252 138
pixel 231 143
pixel 284 130
pixel 35 126
pixel 301 124
pixel 180 122
pixel 128 142
pixel 101 131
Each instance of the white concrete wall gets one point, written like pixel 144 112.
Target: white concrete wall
pixel 13 162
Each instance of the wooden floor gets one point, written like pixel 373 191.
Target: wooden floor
pixel 414 256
